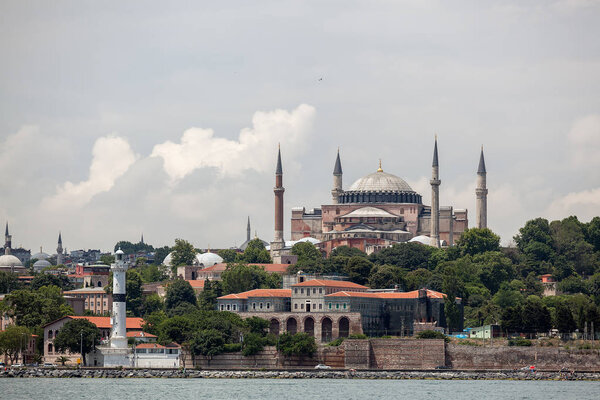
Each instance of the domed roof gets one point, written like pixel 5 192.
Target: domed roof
pixel 208 259
pixel 8 260
pixel 380 182
pixel 41 264
pixel 41 255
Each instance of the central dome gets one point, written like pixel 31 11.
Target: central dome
pixel 380 182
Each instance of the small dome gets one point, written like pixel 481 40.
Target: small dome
pixel 380 182
pixel 167 260
pixel 208 259
pixel 8 260
pixel 119 251
pixel 429 241
pixel 41 255
pixel 41 264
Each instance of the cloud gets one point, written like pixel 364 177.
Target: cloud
pixel 199 148
pixel 584 204
pixel 584 141
pixel 111 158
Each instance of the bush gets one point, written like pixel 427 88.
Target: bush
pixel 358 336
pixel 429 334
pixel 297 345
pixel 336 342
pixel 519 342
pixel 232 347
pixel 468 343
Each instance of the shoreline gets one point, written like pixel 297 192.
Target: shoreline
pixel 300 374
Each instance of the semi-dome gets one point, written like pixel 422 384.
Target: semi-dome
pixel 208 259
pixel 8 260
pixel 380 182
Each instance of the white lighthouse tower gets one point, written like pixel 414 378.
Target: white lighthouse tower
pixel 118 334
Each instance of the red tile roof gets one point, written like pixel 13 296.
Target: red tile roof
pixel 330 283
pixel 196 283
pixel 259 293
pixel 156 346
pixel 104 322
pixel 389 295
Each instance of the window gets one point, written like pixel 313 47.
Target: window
pixel 233 307
pixel 254 306
pixel 295 290
pixel 308 291
pixel 320 306
pixel 314 290
pixel 337 306
pixel 295 306
pixel 330 306
pixel 222 307
pixel 344 306
pixel 320 290
pixel 50 348
pixel 301 290
pixel 268 306
pixel 302 306
pixel 228 306
pixel 50 334
pixel 260 306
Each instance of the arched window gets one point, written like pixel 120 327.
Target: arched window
pixel 50 334
pixel 50 348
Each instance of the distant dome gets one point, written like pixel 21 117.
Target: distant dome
pixel 41 255
pixel 380 182
pixel 8 260
pixel 426 240
pixel 40 265
pixel 167 260
pixel 208 259
pixel 245 244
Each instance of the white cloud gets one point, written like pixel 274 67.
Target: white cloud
pixel 584 205
pixel 584 141
pixel 254 149
pixel 111 158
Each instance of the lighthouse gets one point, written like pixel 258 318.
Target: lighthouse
pixel 118 334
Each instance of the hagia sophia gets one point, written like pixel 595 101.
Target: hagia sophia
pixel 375 212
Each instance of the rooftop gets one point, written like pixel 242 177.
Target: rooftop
pixel 86 290
pixel 330 283
pixel 389 295
pixel 258 293
pixel 104 322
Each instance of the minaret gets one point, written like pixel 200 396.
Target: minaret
pixel 481 193
pixel 278 242
pixel 118 334
pixel 337 190
pixel 142 239
pixel 435 197
pixel 59 251
pixel 248 230
pixel 7 241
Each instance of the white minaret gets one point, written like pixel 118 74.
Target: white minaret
pixel 435 198
pixel 118 335
pixel 481 193
pixel 59 250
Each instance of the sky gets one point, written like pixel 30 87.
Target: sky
pixel 163 118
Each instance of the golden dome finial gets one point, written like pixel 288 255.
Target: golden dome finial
pixel 379 169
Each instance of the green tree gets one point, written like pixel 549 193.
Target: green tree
pixel 62 360
pixel 535 240
pixel 255 253
pixel 495 268
pixel 359 269
pixel 152 303
pixel 512 319
pixel 386 276
pixel 347 251
pixel 153 321
pixel 478 240
pixel 132 248
pixel 107 259
pixel 13 341
pixel 592 233
pixel 252 344
pixel 410 256
pixel 8 282
pixel 179 292
pixel 178 329
pixel 418 279
pixel 564 321
pixel 241 277
pixel 569 242
pixel 299 344
pixel 507 297
pixel 77 334
pixel 454 318
pixel 207 300
pixel 573 285
pixel 257 325
pixel 536 316
pixel 160 253
pixel 35 308
pixel 228 255
pixel 152 273
pixel 309 257
pixel 47 280
pixel 183 253
pixel 208 343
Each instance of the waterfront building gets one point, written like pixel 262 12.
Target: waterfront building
pixel 96 300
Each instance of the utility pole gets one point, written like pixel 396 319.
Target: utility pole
pixel 81 347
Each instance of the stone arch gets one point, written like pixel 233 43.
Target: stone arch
pixel 291 326
pixel 326 330
pixel 309 326
pixel 274 326
pixel 344 324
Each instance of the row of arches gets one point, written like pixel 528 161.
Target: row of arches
pixel 324 329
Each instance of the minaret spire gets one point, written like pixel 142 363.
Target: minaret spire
pixel 248 230
pixel 435 197
pixel 278 241
pixel 481 193
pixel 142 239
pixel 59 250
pixel 337 190
pixel 7 241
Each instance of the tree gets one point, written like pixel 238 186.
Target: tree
pixel 153 321
pixel 454 320
pixel 132 248
pixel 478 240
pixel 512 319
pixel 160 253
pixel 241 277
pixel 178 329
pixel 208 343
pixel 152 303
pixel 257 325
pixel 535 240
pixel 228 255
pixel 107 259
pixel 77 334
pixel 569 242
pixel 572 285
pixel 418 279
pixel 13 341
pixel 47 280
pixel 35 308
pixel 252 344
pixel 183 253
pixel 62 360
pixel 359 269
pixel 410 256
pixel 299 344
pixel 8 282
pixel 346 251
pixel 255 253
pixel 564 321
pixel 309 257
pixel 386 276
pixel 536 316
pixel 207 300
pixel 592 233
pixel 495 268
pixel 507 297
pixel 179 292
pixel 152 273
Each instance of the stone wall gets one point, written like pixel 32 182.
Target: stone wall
pixel 503 357
pixel 407 353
